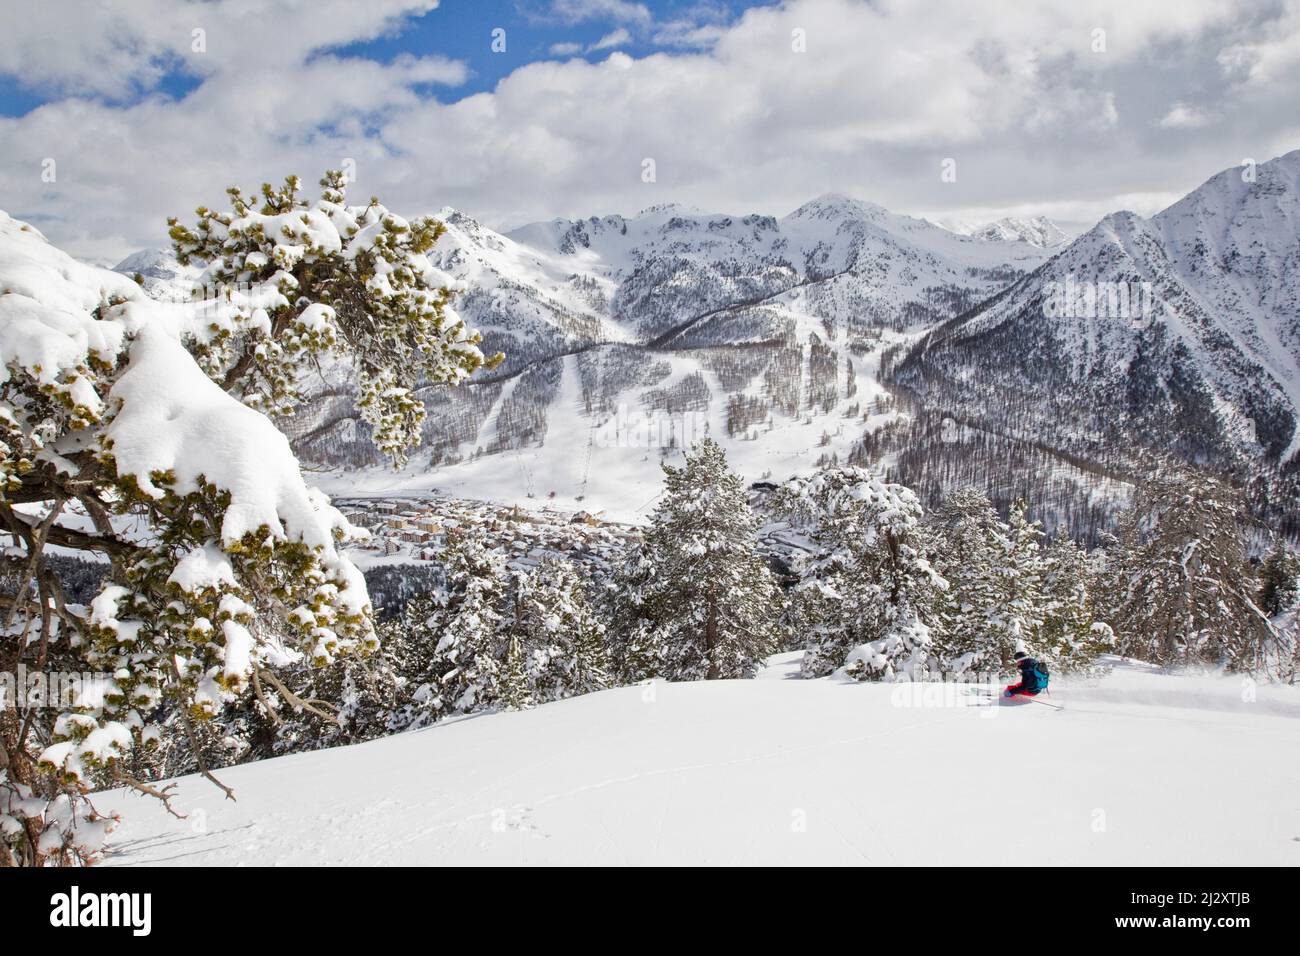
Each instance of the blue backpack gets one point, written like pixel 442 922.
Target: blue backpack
pixel 1041 676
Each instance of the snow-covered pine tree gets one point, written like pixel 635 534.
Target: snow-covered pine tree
pixel 457 637
pixel 563 633
pixel 347 703
pixel 635 651
pixel 1279 580
pixel 411 640
pixel 703 604
pixel 1184 593
pixel 1017 583
pixel 966 531
pixel 866 601
pixel 1279 597
pixel 516 673
pixel 1009 592
pixel 133 429
pixel 495 636
pixel 1071 637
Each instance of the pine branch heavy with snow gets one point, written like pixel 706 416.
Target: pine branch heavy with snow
pixel 298 280
pixel 135 430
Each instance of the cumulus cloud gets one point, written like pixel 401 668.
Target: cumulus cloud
pixel 871 103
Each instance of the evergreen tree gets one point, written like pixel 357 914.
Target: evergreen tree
pixel 333 706
pixel 1070 637
pixel 702 604
pixel 495 636
pixel 1183 589
pixel 866 601
pixel 516 675
pixel 635 650
pixel 1016 584
pixel 1008 593
pixel 1279 580
pixel 966 533
pixel 411 640
pixel 567 639
pixel 334 279
pixel 455 642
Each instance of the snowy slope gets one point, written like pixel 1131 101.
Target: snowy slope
pixel 601 458
pixel 1139 769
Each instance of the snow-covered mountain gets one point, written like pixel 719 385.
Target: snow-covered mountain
pixel 158 265
pixel 672 270
pixel 844 331
pixel 1178 333
pixel 530 304
pixel 1038 231
pixel 763 332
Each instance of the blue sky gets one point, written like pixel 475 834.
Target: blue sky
pixel 462 30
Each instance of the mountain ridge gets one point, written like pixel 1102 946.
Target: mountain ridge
pixel 1209 367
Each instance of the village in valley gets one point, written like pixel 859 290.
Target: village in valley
pixel 416 528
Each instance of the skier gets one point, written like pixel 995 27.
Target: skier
pixel 1033 677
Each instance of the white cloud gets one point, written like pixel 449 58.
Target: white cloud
pixel 1081 215
pixel 616 38
pixel 1183 116
pixel 87 47
pixel 697 27
pixel 578 11
pixel 884 93
pixel 1271 55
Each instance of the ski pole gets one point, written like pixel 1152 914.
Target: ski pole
pixel 1035 700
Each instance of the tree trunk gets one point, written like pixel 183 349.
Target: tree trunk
pixel 19 768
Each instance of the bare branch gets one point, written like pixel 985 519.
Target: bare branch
pixel 311 706
pixel 195 747
pixel 271 712
pixel 158 793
